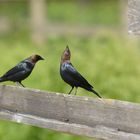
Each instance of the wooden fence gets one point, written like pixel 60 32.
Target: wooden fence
pixel 107 118
pixel 134 16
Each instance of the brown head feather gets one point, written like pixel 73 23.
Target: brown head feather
pixel 66 55
pixel 34 58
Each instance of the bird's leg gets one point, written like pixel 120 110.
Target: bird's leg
pixel 17 84
pixel 70 90
pixel 75 90
pixel 21 84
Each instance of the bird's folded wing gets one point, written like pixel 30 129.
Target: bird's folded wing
pixel 14 70
pixel 76 75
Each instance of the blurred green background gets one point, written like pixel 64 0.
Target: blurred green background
pixel 108 58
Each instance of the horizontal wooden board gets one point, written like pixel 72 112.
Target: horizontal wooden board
pixel 108 119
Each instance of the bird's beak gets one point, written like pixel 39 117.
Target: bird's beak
pixel 42 58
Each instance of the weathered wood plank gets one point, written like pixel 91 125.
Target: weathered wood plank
pixel 107 119
pixel 134 16
pixel 71 128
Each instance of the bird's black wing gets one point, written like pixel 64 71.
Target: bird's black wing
pixel 77 77
pixel 18 68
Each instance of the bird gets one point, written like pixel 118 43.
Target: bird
pixel 22 70
pixel 71 76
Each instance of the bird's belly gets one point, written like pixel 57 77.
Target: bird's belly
pixel 69 80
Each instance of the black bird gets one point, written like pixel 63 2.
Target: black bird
pixel 22 70
pixel 71 76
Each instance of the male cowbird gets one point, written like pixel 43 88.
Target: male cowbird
pixel 71 76
pixel 22 70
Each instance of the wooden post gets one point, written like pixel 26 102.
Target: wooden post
pixel 134 16
pixel 123 9
pixel 106 119
pixel 38 21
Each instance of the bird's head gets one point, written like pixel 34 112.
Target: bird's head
pixel 66 55
pixel 35 58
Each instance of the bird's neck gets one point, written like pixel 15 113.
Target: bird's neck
pixel 31 62
pixel 64 61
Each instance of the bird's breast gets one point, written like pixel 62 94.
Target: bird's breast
pixel 28 66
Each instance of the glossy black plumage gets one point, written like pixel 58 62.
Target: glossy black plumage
pixel 22 70
pixel 71 76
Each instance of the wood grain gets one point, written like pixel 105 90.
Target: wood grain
pixel 134 16
pixel 107 119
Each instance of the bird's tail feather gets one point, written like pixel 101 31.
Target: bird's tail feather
pixel 96 93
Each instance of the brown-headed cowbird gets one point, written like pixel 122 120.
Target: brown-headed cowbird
pixel 22 70
pixel 71 76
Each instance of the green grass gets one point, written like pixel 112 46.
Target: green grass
pixel 110 62
pixel 97 12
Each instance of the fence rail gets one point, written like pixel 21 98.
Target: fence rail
pixel 107 119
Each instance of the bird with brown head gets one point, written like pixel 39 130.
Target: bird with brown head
pixel 71 76
pixel 22 70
